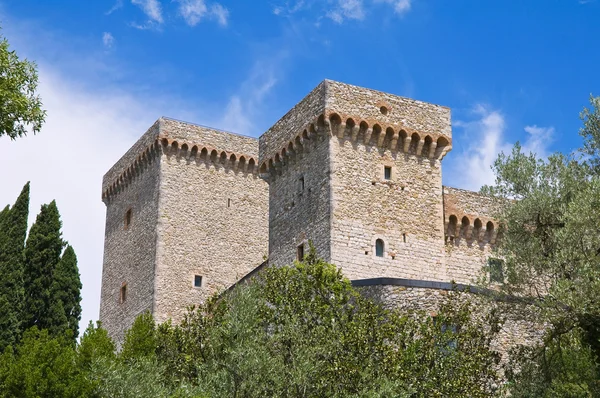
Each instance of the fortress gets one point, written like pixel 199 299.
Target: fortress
pixel 192 210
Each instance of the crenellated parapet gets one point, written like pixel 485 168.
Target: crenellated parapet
pixel 469 216
pixel 360 116
pixel 181 141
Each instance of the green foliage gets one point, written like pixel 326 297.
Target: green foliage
pixel 42 254
pixel 65 295
pixel 304 331
pixel 20 107
pixel 95 344
pixel 139 378
pixel 563 367
pixel 140 340
pixel 551 248
pixel 42 366
pixel 13 230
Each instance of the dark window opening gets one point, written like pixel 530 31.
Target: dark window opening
pixel 197 281
pixel 301 184
pixel 366 252
pixel 228 202
pixel 123 295
pixel 387 173
pixel 300 253
pixel 127 219
pixel 404 238
pixel 379 248
pixel 496 270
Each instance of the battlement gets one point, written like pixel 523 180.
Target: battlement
pixel 359 115
pixel 468 215
pixel 189 141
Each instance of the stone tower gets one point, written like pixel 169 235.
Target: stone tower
pixel 186 216
pixel 192 210
pixel 358 172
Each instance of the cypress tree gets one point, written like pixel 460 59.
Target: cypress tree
pixel 65 295
pixel 42 254
pixel 13 230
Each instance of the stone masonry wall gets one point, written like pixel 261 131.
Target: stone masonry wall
pixel 405 212
pixel 130 252
pixel 519 328
pixel 470 233
pixel 365 104
pixel 298 214
pixel 212 217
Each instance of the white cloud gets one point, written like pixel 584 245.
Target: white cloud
pixel 400 6
pixel 347 9
pixel 193 11
pixel 220 13
pixel 151 8
pixel 118 4
pixel 484 139
pixel 339 10
pixel 538 140
pixel 84 134
pixel 244 106
pixel 108 40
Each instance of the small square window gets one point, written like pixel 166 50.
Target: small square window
pixel 495 266
pixel 123 293
pixel 387 172
pixel 300 253
pixel 127 222
pixel 197 281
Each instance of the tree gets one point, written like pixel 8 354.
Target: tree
pixel 303 330
pixel 140 339
pixel 42 254
pixel 42 366
pixel 65 295
pixel 95 344
pixel 13 230
pixel 551 246
pixel 20 106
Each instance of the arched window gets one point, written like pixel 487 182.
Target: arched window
pixel 379 248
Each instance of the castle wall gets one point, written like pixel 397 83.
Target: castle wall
pixel 405 212
pixel 297 215
pixel 212 217
pixel 470 233
pixel 130 252
pixel 519 328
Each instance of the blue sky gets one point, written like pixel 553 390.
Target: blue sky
pixel 509 70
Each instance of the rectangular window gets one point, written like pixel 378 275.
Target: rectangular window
pixel 387 173
pixel 300 253
pixel 197 281
pixel 301 184
pixel 127 218
pixel 496 266
pixel 123 295
pixel 228 202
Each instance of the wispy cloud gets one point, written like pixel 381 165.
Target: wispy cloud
pixel 118 4
pixel 108 40
pixel 246 104
pixel 152 9
pixel 485 138
pixel 220 13
pixel 400 6
pixel 347 9
pixel 339 11
pixel 193 11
